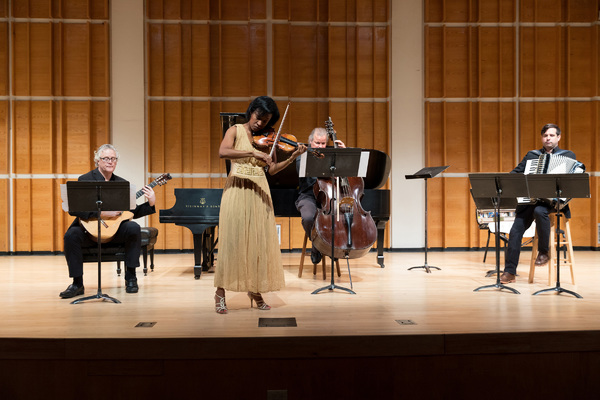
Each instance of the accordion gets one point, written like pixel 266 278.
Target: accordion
pixel 551 164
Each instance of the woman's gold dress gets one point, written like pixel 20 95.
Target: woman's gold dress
pixel 249 257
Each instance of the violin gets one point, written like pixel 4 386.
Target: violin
pixel 265 139
pixel 352 227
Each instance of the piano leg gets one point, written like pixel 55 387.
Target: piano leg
pixel 380 240
pixel 204 247
pixel 198 252
pixel 208 250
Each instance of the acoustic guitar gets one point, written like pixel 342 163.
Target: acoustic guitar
pixel 109 227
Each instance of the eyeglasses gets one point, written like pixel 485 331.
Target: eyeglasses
pixel 111 159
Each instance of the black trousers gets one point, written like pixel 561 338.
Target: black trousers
pixel 76 238
pixel 307 205
pixel 525 215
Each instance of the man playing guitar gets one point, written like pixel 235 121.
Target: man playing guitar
pixel 76 237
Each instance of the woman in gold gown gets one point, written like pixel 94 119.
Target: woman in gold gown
pixel 249 254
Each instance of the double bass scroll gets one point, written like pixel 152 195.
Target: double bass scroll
pixel 354 230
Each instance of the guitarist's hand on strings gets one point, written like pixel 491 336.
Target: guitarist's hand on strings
pixel 149 194
pixel 110 214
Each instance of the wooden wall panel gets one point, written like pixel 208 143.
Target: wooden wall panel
pixel 22 214
pixel 283 61
pixel 457 218
pixel 22 139
pixel 581 68
pixel 42 213
pixel 76 130
pixel 540 73
pixel 233 63
pixel 558 10
pixel 457 132
pixel 5 212
pixel 434 62
pixel 172 48
pixel 42 138
pixel 75 59
pixel 4 137
pixel 304 45
pixel 32 9
pixel 4 79
pixel 456 64
pixel 199 67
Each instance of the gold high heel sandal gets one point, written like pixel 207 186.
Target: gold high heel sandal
pixel 220 306
pixel 260 303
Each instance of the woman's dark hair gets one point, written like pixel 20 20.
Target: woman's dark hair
pixel 263 105
pixel 548 126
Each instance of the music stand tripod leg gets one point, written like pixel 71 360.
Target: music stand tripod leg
pixel 427 267
pixel 498 284
pixel 99 294
pixel 557 288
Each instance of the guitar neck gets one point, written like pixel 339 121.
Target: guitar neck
pixel 140 192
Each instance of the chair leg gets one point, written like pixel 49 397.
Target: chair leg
pixel 487 245
pixel 302 256
pixel 152 259
pixel 118 268
pixel 552 253
pixel 533 257
pixel 571 256
pixel 145 258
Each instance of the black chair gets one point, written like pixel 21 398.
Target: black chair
pixel 116 252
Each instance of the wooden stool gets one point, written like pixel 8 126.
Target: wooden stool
pixel 323 266
pixel 566 260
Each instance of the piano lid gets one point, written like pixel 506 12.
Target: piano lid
pixel 378 169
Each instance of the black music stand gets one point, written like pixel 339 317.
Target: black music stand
pixel 426 173
pixel 556 186
pixel 98 196
pixel 335 163
pixel 498 186
pixel 489 203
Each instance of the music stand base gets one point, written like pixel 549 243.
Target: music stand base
pixel 497 286
pixel 98 296
pixel 331 287
pixel 558 290
pixel 427 268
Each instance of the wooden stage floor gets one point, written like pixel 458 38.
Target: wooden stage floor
pixel 442 302
pixel 450 322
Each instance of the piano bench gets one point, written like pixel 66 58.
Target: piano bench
pixel 323 266
pixel 116 252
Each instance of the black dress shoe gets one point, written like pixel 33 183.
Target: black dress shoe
pixel 507 277
pixel 131 285
pixel 315 256
pixel 542 259
pixel 72 291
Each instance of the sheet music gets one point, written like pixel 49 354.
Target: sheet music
pixel 302 172
pixel 364 163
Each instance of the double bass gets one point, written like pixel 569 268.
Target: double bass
pixel 355 230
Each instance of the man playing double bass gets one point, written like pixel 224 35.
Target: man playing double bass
pixel 307 203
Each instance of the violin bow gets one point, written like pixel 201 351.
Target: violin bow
pixel 278 136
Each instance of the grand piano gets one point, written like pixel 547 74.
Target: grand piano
pixel 198 209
